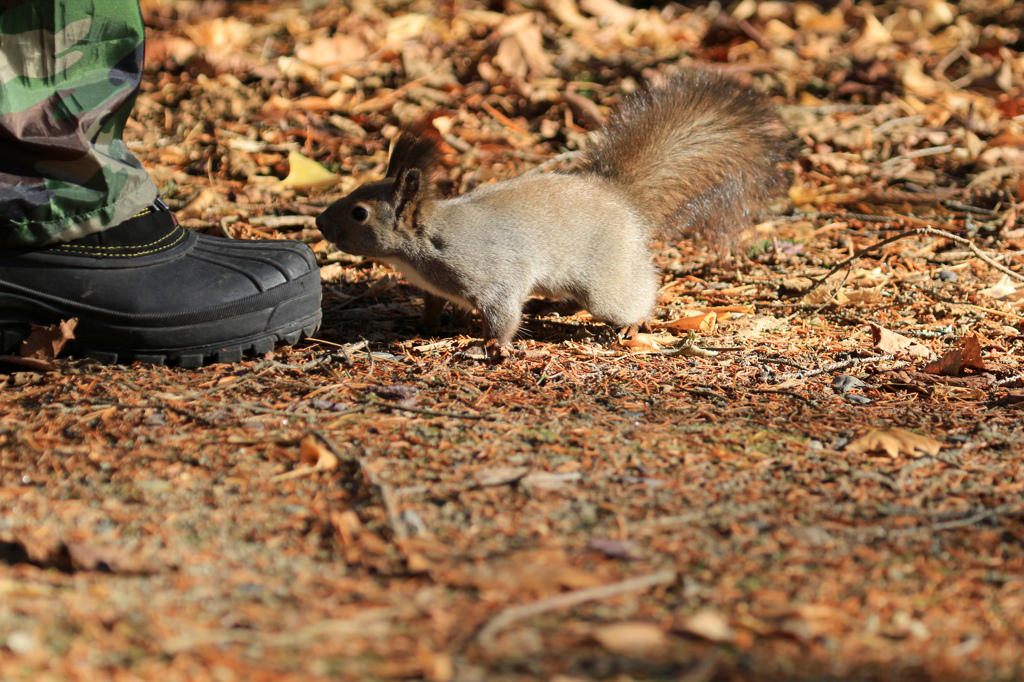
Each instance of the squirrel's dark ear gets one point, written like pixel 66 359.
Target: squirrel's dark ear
pixel 408 186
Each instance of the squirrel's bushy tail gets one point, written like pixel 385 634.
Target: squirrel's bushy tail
pixel 697 156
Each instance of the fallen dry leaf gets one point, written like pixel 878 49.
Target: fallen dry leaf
pixel 336 50
pixel 208 198
pixel 305 173
pixel 541 570
pixel 314 456
pixel 710 625
pixel 895 442
pixel 951 362
pixel 640 342
pixel 46 343
pixel 887 341
pixel 703 322
pixel 629 638
pixel 313 453
pixel 495 476
pixel 1004 288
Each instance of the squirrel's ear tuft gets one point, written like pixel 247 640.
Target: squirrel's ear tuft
pixel 419 147
pixel 408 187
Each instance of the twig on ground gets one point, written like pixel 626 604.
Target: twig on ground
pixel 835 366
pixel 959 523
pixel 911 233
pixel 383 489
pixel 780 391
pixel 487 634
pixel 430 413
pixel 301 638
pixel 917 153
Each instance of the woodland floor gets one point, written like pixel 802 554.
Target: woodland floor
pixel 804 502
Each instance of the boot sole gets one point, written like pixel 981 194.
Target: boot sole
pixel 233 350
pixel 196 342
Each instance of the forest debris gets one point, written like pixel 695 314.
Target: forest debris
pixel 615 548
pixel 99 453
pixel 314 457
pixel 951 362
pixel 703 322
pixel 41 549
pixel 887 341
pixel 333 51
pixel 46 343
pixel 610 11
pixel 1004 289
pixel 513 614
pixel 708 624
pixel 533 571
pixel 895 442
pixel 630 638
pixel 304 173
pixel 495 476
pixel 206 199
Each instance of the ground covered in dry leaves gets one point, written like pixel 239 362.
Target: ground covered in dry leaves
pixel 814 484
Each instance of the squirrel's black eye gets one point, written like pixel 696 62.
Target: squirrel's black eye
pixel 359 214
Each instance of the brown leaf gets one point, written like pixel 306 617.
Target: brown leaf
pixel 208 198
pixel 106 558
pixel 314 456
pixel 708 624
pixel 46 343
pixel 888 341
pixel 31 363
pixel 972 353
pixel 704 322
pixel 895 442
pixel 950 364
pixel 336 50
pixel 640 342
pixel 313 453
pixel 609 11
pixel 501 475
pixel 541 570
pixel 629 637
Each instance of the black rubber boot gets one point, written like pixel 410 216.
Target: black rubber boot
pixel 152 291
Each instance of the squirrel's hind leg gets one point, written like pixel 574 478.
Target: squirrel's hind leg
pixel 631 330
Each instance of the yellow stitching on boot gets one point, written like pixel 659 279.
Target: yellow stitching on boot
pixel 138 253
pixel 93 249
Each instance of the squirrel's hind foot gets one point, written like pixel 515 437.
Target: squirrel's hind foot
pixel 630 331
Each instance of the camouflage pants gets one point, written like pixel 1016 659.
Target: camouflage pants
pixel 69 73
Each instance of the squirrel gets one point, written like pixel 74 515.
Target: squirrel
pixel 695 157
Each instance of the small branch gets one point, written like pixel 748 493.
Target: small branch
pixel 917 153
pixel 917 232
pixel 383 489
pixel 959 523
pixel 431 413
pixel 1009 380
pixel 828 369
pixel 779 391
pixel 564 156
pixel 276 222
pixel 513 614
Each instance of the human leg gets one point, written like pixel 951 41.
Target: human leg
pixel 81 232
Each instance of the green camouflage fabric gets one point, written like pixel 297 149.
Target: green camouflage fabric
pixel 69 73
